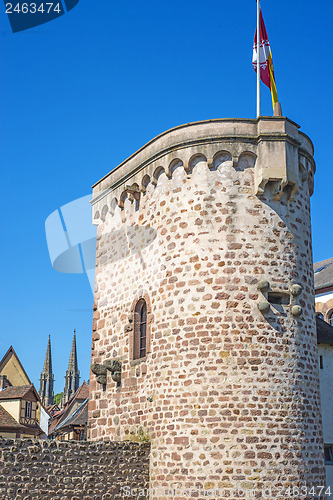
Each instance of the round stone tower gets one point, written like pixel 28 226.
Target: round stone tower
pixel 204 337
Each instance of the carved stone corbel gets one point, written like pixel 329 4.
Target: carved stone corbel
pixel 100 371
pixel 114 366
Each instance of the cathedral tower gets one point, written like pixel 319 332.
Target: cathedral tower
pixel 204 336
pixel 72 377
pixel 46 378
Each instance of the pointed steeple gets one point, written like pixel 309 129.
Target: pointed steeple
pixel 72 365
pixel 46 378
pixel 72 378
pixel 48 358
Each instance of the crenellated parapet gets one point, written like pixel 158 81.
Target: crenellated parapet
pixel 273 147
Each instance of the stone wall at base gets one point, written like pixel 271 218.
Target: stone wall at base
pixel 54 470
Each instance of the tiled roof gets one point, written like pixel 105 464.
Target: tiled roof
pixel 54 420
pixel 62 416
pixel 78 417
pixel 323 273
pixel 324 332
pixel 6 420
pixel 15 392
pixel 53 409
pixel 82 392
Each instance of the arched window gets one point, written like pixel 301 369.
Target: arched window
pixel 330 319
pixel 140 330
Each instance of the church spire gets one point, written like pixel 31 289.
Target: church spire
pixel 48 358
pixel 46 378
pixel 72 365
pixel 72 377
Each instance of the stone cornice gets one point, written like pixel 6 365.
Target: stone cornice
pixel 256 132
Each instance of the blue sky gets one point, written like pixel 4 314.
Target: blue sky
pixel 83 92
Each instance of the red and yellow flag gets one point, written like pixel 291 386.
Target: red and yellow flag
pixel 266 60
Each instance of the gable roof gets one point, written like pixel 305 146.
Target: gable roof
pixel 324 332
pixel 7 421
pixel 80 396
pixel 52 408
pixel 6 359
pixel 17 392
pixel 78 417
pixel 323 274
pixel 82 392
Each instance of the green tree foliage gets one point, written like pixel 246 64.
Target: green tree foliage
pixel 57 398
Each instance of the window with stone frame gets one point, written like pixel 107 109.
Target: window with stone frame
pixel 140 330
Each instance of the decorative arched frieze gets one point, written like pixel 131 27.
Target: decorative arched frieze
pixel 246 160
pixel 105 210
pixel 244 156
pixel 175 163
pixel 113 205
pixel 195 160
pixel 219 159
pixel 122 199
pixel 132 193
pixel 157 173
pixel 144 183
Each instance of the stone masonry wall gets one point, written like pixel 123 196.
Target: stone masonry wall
pixel 227 395
pixel 54 470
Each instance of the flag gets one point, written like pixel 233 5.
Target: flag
pixel 266 60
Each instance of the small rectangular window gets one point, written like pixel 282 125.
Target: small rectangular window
pixel 321 362
pixel 328 450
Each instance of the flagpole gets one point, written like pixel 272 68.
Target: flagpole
pixel 258 60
